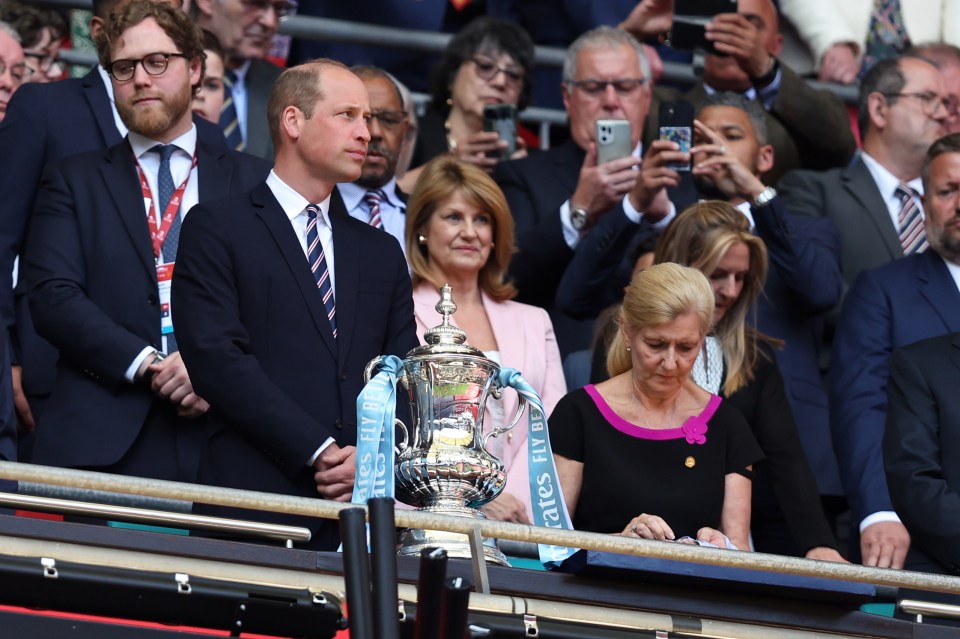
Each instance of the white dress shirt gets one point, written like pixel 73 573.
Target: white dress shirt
pixel 887 184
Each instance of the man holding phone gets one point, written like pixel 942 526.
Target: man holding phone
pixel 808 128
pixel 558 195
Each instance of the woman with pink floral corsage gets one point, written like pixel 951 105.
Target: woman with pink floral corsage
pixel 649 453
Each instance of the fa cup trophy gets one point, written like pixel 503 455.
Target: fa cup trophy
pixel 443 466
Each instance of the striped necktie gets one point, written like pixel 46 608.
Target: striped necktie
pixel 372 199
pixel 229 121
pixel 318 266
pixel 913 239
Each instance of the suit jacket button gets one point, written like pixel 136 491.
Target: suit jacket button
pixel 152 299
pixel 338 424
pixel 343 377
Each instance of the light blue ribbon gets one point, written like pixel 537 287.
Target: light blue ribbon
pixel 376 413
pixel 546 495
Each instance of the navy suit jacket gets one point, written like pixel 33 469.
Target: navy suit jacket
pixel 921 450
pixel 255 336
pixel 902 302
pixel 93 293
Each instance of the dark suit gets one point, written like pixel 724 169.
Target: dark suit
pixel 921 450
pixel 808 128
pixel 259 82
pixel 46 123
pixel 93 293
pixel 888 307
pixel 850 197
pixel 535 188
pixel 256 339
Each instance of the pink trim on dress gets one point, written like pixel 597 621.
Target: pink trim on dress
pixel 694 429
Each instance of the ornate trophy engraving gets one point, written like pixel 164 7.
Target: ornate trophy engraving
pixel 444 466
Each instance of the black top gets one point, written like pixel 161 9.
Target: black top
pixel 677 474
pixel 431 138
pixel 784 488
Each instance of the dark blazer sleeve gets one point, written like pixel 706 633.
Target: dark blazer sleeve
pixel 805 251
pixel 595 276
pixel 764 403
pixel 858 403
pixel 816 121
pixel 921 424
pixel 54 264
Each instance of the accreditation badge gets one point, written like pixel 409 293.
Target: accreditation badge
pixel 164 282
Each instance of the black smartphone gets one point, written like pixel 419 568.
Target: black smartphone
pixel 676 125
pixel 502 118
pixel 689 19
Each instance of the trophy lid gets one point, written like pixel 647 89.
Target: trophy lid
pixel 445 337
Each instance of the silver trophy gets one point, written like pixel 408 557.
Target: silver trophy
pixel 444 466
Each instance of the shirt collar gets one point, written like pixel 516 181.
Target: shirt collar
pixel 240 73
pixel 142 144
pixel 886 181
pixel 353 194
pixel 292 203
pixel 750 94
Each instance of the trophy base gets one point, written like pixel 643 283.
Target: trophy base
pixel 415 540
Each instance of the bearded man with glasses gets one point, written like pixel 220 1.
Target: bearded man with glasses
pixel 101 253
pixel 558 195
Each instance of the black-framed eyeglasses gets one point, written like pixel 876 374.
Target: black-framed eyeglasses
pixel 930 102
pixel 487 70
pixel 389 119
pixel 623 86
pixel 152 63
pixel 282 8
pixel 44 62
pixel 17 71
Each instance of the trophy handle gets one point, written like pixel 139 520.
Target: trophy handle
pixel 402 446
pixel 371 367
pixel 496 432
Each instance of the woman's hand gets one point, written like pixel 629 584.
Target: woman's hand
pixel 475 148
pixel 712 536
pixel 648 527
pixel 506 507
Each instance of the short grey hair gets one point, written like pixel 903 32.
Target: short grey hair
pixel 756 113
pixel 10 31
pixel 603 38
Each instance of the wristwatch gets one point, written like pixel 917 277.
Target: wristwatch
pixel 578 218
pixel 763 198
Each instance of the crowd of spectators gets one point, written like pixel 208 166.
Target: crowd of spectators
pixel 811 245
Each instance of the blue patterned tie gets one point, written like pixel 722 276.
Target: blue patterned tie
pixel 166 188
pixel 318 266
pixel 913 237
pixel 229 121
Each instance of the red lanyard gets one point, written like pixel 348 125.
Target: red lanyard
pixel 173 207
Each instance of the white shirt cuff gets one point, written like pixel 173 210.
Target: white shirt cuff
pixel 878 517
pixel 635 216
pixel 570 235
pixel 319 451
pixel 131 373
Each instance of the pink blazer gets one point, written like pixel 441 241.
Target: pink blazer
pixel 526 342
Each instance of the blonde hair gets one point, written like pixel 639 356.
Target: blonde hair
pixel 655 296
pixel 700 237
pixel 441 179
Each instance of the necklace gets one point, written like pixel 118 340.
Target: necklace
pixel 643 413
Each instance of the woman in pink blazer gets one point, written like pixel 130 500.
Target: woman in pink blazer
pixel 460 232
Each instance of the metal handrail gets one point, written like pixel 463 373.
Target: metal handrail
pixel 497 529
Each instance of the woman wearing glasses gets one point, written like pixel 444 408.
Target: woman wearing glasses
pixel 489 62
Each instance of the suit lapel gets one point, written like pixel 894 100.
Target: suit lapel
pixel 278 225
pixel 861 186
pixel 213 172
pixel 568 155
pixel 939 289
pixel 121 182
pixel 508 332
pixel 96 96
pixel 346 254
